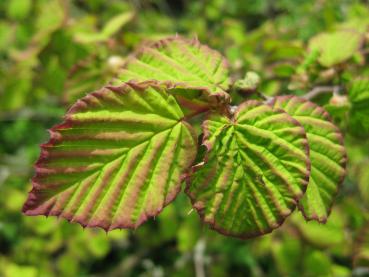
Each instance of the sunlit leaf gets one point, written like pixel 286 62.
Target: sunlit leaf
pixel 256 169
pixel 177 61
pixel 336 47
pixel 327 154
pixel 117 159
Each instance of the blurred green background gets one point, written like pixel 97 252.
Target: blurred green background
pixel 53 52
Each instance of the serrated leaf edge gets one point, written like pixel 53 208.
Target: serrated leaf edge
pixel 212 96
pixel 209 146
pixel 341 140
pixel 74 108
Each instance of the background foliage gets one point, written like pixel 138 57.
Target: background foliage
pixel 54 51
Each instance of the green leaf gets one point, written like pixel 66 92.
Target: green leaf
pixel 363 181
pixel 256 169
pixel 116 23
pixel 321 236
pixel 118 158
pixel 359 113
pixel 180 62
pixel 336 47
pixel 317 263
pixel 110 29
pixel 19 9
pixel 50 16
pixel 327 154
pixel 287 255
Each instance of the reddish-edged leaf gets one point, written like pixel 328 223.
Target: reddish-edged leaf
pixel 117 159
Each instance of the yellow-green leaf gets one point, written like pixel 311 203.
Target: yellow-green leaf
pixel 182 63
pixel 117 159
pixel 256 169
pixel 327 155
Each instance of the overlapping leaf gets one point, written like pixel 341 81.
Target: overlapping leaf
pixel 327 154
pixel 118 158
pixel 255 171
pixel 180 63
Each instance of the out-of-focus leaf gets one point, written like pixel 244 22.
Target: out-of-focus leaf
pixel 287 255
pixel 6 35
pixel 322 236
pixel 50 16
pixel 19 9
pixel 279 50
pixel 363 182
pixel 168 223
pixel 336 47
pixel 359 91
pixel 359 113
pixel 116 23
pixel 188 233
pixel 317 263
pixel 342 271
pixel 15 200
pixel 327 155
pixel 42 225
pixel 255 171
pixel 98 244
pixel 67 265
pixel 12 270
pixel 110 29
pixel 284 70
pixel 85 77
pixel 338 107
pixel 15 92
pixel 116 160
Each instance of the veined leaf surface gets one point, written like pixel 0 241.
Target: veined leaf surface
pixel 327 154
pixel 182 63
pixel 117 159
pixel 256 169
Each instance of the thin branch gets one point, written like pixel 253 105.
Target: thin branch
pixel 199 257
pixel 28 114
pixel 321 90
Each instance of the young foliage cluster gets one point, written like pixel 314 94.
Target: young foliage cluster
pixel 123 152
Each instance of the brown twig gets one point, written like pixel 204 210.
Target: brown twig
pixel 320 90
